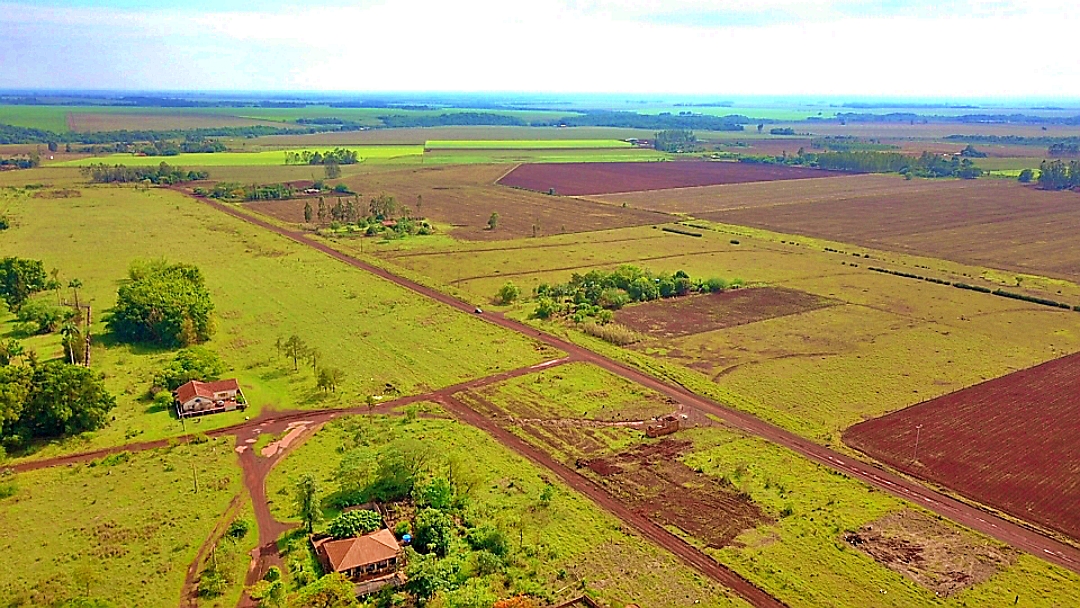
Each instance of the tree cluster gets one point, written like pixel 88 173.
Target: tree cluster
pixel 20 278
pixel 676 141
pixel 1058 175
pixel 167 147
pixel 596 293
pixel 234 191
pixel 163 174
pixel 340 156
pixel 23 135
pixel 50 399
pixel 165 304
pixel 654 122
pixel 925 165
pixel 191 363
pixel 1063 149
pixel 29 161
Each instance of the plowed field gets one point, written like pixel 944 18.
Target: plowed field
pixel 575 179
pixel 465 197
pixel 701 313
pixel 1012 443
pixel 985 222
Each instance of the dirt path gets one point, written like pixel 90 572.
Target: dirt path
pixel 686 552
pixel 190 593
pixel 1024 538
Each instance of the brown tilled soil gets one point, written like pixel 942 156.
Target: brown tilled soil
pixel 653 482
pixel 986 222
pixel 465 197
pixel 937 556
pixel 701 313
pixel 575 179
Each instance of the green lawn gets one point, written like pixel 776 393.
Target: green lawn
pixel 525 144
pixel 493 156
pixel 570 534
pixel 387 340
pixel 226 159
pixel 125 532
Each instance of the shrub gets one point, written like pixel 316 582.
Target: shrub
pixel 402 528
pixel 488 538
pixel 616 334
pixel 508 293
pixel 355 523
pixel 192 363
pixel 239 529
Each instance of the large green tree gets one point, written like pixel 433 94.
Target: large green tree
pixel 166 304
pixel 355 523
pixel 192 363
pixel 20 278
pixel 306 500
pixel 330 591
pixel 52 399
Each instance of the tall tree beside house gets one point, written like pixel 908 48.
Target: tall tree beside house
pixel 306 499
pixel 165 304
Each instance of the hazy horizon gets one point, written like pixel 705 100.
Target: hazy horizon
pixel 978 50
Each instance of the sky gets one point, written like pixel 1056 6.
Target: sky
pixel 999 49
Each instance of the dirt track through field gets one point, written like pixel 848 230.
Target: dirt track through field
pixel 1025 538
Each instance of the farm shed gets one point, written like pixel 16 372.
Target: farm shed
pixel 197 398
pixel 663 426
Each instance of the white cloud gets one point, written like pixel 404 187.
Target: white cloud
pixel 979 48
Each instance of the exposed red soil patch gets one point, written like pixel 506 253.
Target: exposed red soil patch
pixel 984 222
pixel 465 197
pixel 652 481
pixel 1012 443
pixel 701 313
pixel 575 179
pixel 939 557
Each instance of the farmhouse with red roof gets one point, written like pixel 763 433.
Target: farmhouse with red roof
pixel 370 561
pixel 197 398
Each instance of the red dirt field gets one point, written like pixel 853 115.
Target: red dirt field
pixel 465 196
pixel 701 313
pixel 576 179
pixel 1012 443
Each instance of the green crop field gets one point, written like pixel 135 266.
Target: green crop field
pixel 50 118
pixel 389 341
pixel 524 144
pixel 252 159
pixel 569 544
pixel 124 529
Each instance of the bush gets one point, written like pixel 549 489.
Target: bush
pixel 488 538
pixel 508 293
pixel 1026 176
pixel 402 528
pixel 434 532
pixel 616 334
pixel 355 523
pixel 239 529
pixel 192 363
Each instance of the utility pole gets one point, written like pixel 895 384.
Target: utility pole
pixel 918 430
pixel 195 477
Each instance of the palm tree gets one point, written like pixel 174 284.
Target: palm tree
pixel 70 337
pixel 75 284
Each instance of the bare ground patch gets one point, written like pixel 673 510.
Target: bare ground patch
pixel 937 556
pixel 651 480
pixel 701 313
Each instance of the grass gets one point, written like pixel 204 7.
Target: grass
pixel 525 144
pixel 125 532
pixel 814 373
pixel 494 156
pixel 50 118
pixel 576 391
pixel 571 534
pixel 257 159
pixel 388 340
pixel 802 559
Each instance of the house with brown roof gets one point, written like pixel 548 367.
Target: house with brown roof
pixel 362 558
pixel 197 398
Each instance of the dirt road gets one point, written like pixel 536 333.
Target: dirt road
pixel 1003 530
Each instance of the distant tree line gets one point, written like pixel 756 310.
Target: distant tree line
pixel 29 161
pixel 781 131
pixel 909 117
pixel 234 191
pixel 663 121
pixel 164 147
pixel 1063 149
pixel 24 135
pixel 849 143
pixel 340 156
pixel 452 119
pixel 1057 175
pixel 1020 140
pixel 676 140
pixel 925 165
pixel 164 174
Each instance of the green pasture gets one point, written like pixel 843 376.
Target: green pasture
pixel 524 144
pixel 227 159
pixel 388 341
pixel 50 118
pixel 124 529
pixel 504 156
pixel 563 548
